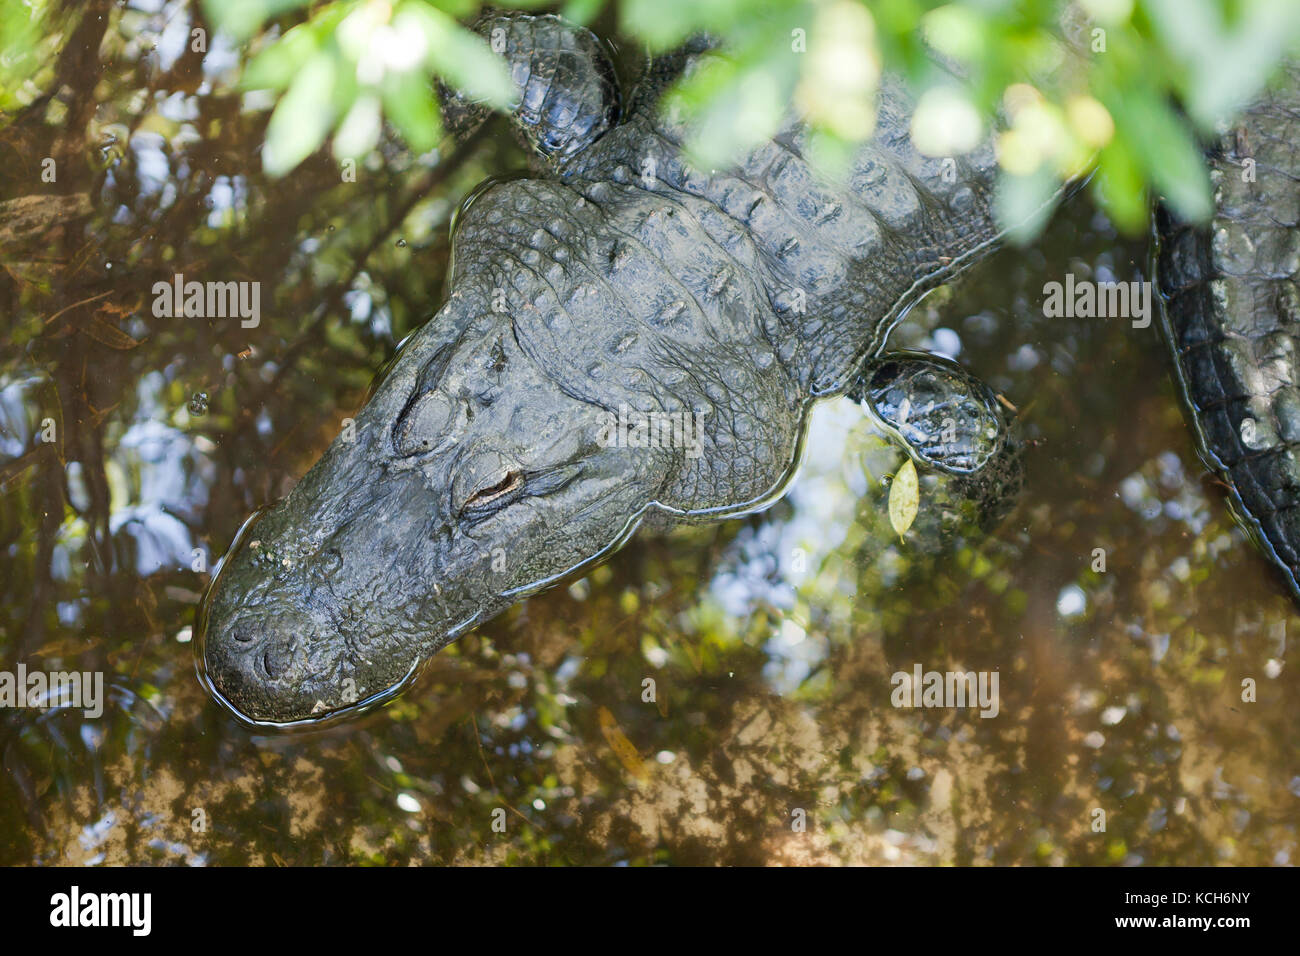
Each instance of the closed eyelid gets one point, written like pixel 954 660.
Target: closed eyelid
pixel 510 482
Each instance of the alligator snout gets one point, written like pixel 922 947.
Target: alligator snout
pixel 262 658
pixel 275 656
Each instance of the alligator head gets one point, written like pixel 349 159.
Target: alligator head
pixel 470 479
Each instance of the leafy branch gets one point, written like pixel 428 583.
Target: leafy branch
pixel 1128 88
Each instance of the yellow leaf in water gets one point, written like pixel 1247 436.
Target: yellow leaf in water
pixel 904 498
pixel 108 334
pixel 66 647
pixel 623 748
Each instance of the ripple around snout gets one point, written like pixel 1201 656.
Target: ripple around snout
pixel 308 724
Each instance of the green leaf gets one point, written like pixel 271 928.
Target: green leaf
pixel 411 105
pixel 904 498
pixel 1224 62
pixel 241 18
pixel 665 23
pixel 303 117
pixel 582 11
pixel 460 9
pixel 359 131
pixel 460 57
pixel 1119 189
pixel 733 105
pixel 1165 150
pixel 274 67
pixel 1023 204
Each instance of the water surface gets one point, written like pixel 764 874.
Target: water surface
pixel 770 640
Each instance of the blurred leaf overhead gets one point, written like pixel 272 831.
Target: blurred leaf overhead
pixel 1125 87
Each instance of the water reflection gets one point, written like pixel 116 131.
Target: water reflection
pixel 770 641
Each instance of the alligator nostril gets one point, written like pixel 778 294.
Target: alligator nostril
pixel 277 658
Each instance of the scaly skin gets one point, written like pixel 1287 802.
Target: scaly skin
pixel 1231 307
pixel 566 91
pixel 481 468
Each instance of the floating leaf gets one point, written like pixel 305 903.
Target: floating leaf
pixel 904 498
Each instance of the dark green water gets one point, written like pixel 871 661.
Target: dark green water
pixel 771 641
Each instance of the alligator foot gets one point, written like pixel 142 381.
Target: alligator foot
pixel 948 421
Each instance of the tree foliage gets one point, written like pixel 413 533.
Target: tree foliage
pixel 1125 87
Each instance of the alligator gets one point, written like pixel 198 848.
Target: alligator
pixel 1230 310
pixel 627 340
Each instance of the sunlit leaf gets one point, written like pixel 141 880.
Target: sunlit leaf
pixel 733 105
pixel 409 102
pixel 666 23
pixel 1166 152
pixel 904 498
pixel 241 18
pixel 303 117
pixel 359 131
pixel 1119 189
pixel 1206 56
pixel 582 11
pixel 22 58
pixel 460 57
pixel 957 31
pixel 1225 61
pixel 274 67
pixel 1024 203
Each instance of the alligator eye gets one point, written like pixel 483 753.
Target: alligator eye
pixel 422 424
pixel 494 493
